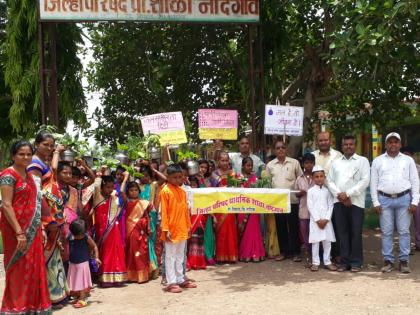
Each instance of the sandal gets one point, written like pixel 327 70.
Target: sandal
pixel 188 284
pixel 355 269
pixel 280 258
pixel 331 267
pixel 297 259
pixel 173 288
pixel 342 268
pixel 80 304
pixel 314 268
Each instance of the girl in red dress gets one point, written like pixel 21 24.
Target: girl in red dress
pixel 137 233
pixel 196 258
pixel 107 212
pixel 226 230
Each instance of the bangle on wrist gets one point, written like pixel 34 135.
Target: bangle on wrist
pixel 20 233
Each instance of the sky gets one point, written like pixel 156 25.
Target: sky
pixel 92 98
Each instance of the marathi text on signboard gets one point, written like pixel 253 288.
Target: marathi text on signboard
pixel 218 124
pixel 245 11
pixel 169 126
pixel 283 120
pixel 239 200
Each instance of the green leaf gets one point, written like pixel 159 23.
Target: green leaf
pixel 372 42
pixel 360 29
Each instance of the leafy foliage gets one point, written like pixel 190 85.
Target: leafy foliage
pixel 148 68
pixel 138 147
pixel 132 171
pixel 22 68
pixel 321 54
pixel 184 154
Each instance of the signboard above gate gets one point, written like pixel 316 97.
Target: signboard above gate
pixel 236 11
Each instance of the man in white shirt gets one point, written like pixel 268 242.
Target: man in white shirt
pixel 347 181
pixel 395 194
pixel 284 171
pixel 416 217
pixel 325 155
pixel 245 151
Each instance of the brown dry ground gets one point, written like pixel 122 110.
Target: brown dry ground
pixel 271 288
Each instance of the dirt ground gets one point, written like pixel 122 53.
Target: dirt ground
pixel 271 288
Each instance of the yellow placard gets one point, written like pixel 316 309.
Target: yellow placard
pixel 173 137
pixel 218 133
pixel 239 200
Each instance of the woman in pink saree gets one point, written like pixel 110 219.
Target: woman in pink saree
pixel 251 246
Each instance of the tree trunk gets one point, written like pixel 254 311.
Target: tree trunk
pixel 295 144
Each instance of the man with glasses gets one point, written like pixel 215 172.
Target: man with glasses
pixel 395 194
pixel 348 180
pixel 284 171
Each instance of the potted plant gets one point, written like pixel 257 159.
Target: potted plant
pixel 69 153
pixel 152 145
pixel 190 157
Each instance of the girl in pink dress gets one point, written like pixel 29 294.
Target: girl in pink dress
pixel 251 246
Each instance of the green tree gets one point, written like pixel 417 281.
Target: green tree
pixel 22 69
pixel 320 54
pixel 147 68
pixel 5 98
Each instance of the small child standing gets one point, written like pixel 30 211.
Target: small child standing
pixel 320 206
pixel 176 226
pixel 303 183
pixel 78 278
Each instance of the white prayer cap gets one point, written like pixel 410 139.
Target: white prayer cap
pixel 392 134
pixel 317 168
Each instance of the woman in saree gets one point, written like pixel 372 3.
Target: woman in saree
pixel 44 169
pixel 226 230
pixel 107 212
pixel 70 199
pixel 54 220
pixel 196 258
pixel 209 240
pixel 149 192
pixel 251 246
pixel 26 290
pixel 41 160
pixel 137 232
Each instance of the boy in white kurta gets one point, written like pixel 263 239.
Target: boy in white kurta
pixel 320 206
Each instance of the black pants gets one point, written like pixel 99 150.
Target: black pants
pixel 349 224
pixel 335 246
pixel 288 231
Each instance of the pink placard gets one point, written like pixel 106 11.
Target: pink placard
pixel 158 123
pixel 217 118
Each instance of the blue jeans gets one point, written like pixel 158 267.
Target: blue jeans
pixel 395 211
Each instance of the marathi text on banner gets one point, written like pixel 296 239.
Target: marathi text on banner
pixel 219 133
pixel 246 11
pixel 287 120
pixel 239 200
pixel 218 124
pixel 169 126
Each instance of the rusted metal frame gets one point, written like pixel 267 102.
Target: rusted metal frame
pixel 262 84
pixel 41 49
pixel 251 74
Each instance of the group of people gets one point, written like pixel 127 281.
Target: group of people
pixel 65 226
